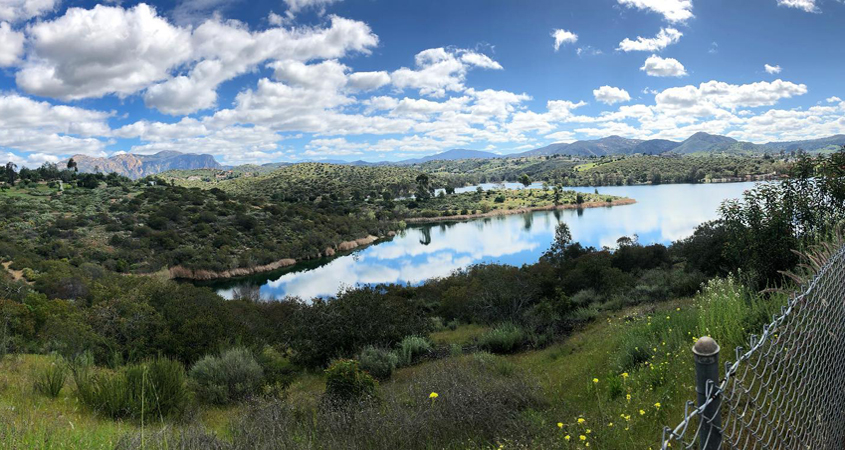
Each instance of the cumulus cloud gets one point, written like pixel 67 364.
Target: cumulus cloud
pixel 833 99
pixel 611 95
pixel 805 5
pixel 563 37
pixel 715 94
pixel 33 126
pixel 438 70
pixel 772 69
pixel 665 38
pixel 368 81
pixel 104 50
pixel 656 66
pixel 672 10
pixel 11 45
pixel 295 6
pixel 112 50
pixel 22 10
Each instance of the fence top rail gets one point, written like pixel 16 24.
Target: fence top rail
pixel 756 342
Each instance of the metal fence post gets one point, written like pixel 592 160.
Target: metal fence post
pixel 706 352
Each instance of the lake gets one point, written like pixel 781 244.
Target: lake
pixel 662 214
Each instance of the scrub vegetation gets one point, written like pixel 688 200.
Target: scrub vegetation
pixel 586 346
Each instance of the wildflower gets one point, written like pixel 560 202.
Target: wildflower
pixel 433 395
pixel 657 405
pixel 595 381
pixel 560 425
pixel 582 437
pixel 628 397
pixel 581 420
pixel 589 431
pixel 567 437
pixel 642 413
pixel 610 424
pixel 625 375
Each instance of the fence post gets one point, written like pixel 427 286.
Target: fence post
pixel 706 352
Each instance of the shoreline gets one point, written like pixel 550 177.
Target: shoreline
pixel 184 273
pixel 506 212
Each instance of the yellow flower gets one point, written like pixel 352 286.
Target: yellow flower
pixel 657 405
pixel 595 380
pixel 433 395
pixel 581 420
pixel 642 413
pixel 610 424
pixel 625 375
pixel 582 437
pixel 567 437
pixel 628 397
pixel 560 424
pixel 589 431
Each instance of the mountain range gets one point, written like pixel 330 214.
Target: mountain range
pixel 140 166
pixel 699 144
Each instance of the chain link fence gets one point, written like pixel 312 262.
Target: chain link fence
pixel 787 391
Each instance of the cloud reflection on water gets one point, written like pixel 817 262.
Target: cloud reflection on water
pixel 662 214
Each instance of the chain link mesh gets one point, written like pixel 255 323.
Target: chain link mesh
pixel 788 390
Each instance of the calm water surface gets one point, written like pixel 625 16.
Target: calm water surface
pixel 662 214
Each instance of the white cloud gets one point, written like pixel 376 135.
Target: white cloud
pixel 368 81
pixel 104 50
pixel 611 95
pixel 656 66
pixel 666 37
pixel 439 70
pixel 11 45
pixel 21 10
pixel 111 50
pixel 772 69
pixel 561 136
pixel 295 6
pixel 833 99
pixel 805 5
pixel 671 10
pixel 563 37
pixel 715 94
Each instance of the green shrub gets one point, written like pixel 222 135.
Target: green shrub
pixel 50 380
pixel 227 378
pixel 378 362
pixel 411 348
pixel 151 390
pixel 724 309
pixel 503 339
pixel 585 315
pixel 279 372
pixel 346 381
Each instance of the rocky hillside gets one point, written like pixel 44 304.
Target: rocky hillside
pixel 139 166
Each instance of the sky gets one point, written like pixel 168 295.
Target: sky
pixel 258 81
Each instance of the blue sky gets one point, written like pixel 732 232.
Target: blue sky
pixel 288 80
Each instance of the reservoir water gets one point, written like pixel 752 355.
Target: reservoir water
pixel 662 214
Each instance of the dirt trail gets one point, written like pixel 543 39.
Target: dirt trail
pixel 17 275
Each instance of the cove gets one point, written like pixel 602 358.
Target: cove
pixel 662 214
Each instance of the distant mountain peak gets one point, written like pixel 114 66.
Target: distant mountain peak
pixel 139 166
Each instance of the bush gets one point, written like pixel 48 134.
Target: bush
pixel 227 378
pixel 151 390
pixel 278 370
pixel 50 380
pixel 411 348
pixel 345 381
pixel 378 362
pixel 723 311
pixel 502 339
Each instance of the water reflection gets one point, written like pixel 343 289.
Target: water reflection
pixel 662 214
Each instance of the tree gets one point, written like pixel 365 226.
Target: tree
pixel 525 180
pixel 71 164
pixel 11 175
pixel 423 187
pixel 563 237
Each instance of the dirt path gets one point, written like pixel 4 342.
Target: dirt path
pixel 17 275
